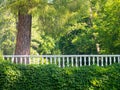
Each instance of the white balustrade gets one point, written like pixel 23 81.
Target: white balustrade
pixel 98 61
pixel 106 61
pixel 76 61
pixel 59 62
pixel 68 61
pixel 72 61
pixel 65 60
pixel 89 60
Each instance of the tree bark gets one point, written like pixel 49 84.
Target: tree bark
pixel 23 34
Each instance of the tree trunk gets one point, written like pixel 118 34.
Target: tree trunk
pixel 23 34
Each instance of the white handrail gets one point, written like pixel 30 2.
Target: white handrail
pixel 65 60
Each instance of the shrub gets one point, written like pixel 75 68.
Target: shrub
pixel 51 77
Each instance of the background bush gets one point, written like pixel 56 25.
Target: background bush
pixel 51 77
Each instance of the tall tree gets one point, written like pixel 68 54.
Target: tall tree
pixel 23 8
pixel 23 34
pixel 109 27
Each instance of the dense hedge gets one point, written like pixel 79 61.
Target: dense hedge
pixel 51 77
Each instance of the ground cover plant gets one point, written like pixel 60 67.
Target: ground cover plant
pixel 51 77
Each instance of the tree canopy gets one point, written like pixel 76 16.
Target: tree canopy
pixel 63 26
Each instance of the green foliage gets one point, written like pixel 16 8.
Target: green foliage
pixel 7 32
pixel 78 42
pixel 1 57
pixel 108 27
pixel 24 6
pixel 55 20
pixel 51 77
